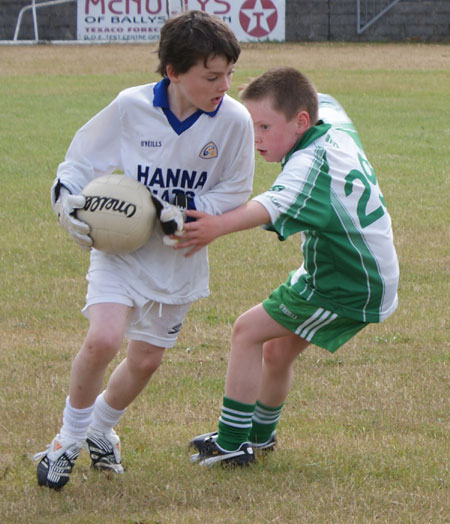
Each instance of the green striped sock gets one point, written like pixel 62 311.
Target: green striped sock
pixel 265 420
pixel 235 423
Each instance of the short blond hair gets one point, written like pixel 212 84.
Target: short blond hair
pixel 289 90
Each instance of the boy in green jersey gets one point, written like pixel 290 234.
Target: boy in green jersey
pixel 326 191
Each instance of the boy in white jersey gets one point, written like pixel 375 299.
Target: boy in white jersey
pixel 189 142
pixel 328 192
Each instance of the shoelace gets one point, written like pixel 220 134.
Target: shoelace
pixel 40 454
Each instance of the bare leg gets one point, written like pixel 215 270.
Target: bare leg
pixel 245 366
pixel 132 374
pixel 106 329
pixel 279 357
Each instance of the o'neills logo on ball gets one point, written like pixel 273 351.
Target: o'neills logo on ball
pixel 98 203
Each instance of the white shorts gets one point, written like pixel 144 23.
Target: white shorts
pixel 149 321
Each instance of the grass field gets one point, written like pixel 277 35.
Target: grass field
pixel 364 436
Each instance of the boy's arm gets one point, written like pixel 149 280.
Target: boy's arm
pixel 206 228
pixel 95 150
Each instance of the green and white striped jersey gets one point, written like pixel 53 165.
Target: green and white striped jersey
pixel 328 192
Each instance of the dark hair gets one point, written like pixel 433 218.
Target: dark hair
pixel 195 36
pixel 289 90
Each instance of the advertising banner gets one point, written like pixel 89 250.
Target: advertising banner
pixel 141 20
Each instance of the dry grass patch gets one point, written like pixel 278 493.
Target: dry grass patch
pixel 141 58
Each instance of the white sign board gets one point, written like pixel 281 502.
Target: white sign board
pixel 141 20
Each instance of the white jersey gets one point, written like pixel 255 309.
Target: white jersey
pixel 327 190
pixel 209 156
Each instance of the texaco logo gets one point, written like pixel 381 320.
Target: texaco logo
pixel 258 17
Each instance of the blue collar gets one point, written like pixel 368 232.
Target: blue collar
pixel 160 100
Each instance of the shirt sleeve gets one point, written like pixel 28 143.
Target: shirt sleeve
pixel 94 151
pixel 299 198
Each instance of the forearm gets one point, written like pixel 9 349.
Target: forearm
pixel 206 228
pixel 249 215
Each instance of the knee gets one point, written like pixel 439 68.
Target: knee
pixel 144 363
pixel 274 357
pixel 146 366
pixel 241 329
pixel 101 346
pixel 280 354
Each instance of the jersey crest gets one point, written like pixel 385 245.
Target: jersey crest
pixel 209 151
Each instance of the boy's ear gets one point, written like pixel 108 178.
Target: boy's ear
pixel 170 72
pixel 303 121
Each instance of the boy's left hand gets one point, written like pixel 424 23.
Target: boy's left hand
pixel 171 218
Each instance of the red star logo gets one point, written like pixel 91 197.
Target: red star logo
pixel 258 17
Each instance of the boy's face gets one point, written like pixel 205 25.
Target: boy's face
pixel 201 87
pixel 275 136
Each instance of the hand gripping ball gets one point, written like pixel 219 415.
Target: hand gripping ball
pixel 120 213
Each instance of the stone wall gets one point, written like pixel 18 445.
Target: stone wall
pixel 414 20
pixel 306 20
pixel 54 23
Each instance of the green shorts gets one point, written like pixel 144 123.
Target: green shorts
pixel 317 325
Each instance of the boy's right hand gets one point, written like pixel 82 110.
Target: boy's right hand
pixel 205 228
pixel 199 233
pixel 65 208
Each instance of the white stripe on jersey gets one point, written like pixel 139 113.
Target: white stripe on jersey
pixel 357 250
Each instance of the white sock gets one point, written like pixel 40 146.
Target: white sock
pixel 75 422
pixel 105 417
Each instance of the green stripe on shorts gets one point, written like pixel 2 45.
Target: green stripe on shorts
pixel 317 325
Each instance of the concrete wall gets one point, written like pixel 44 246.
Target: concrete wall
pixel 306 20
